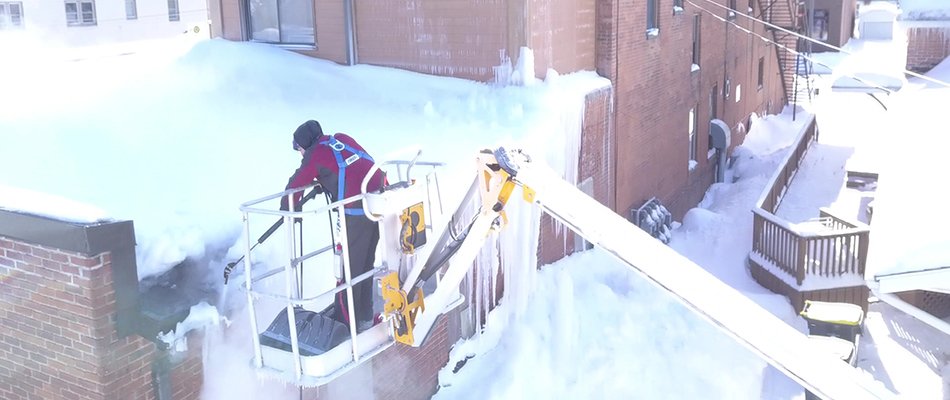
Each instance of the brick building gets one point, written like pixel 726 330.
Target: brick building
pixel 928 33
pixel 672 66
pixel 68 326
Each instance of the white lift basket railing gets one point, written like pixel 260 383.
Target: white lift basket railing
pixel 321 369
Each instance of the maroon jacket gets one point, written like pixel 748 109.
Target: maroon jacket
pixel 320 163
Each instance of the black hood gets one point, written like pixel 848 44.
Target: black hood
pixel 307 134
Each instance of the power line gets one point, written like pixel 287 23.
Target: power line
pixel 911 73
pixel 763 38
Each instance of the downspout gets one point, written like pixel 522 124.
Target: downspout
pixel 350 32
pixel 915 312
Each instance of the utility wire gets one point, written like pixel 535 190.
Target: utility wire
pixel 765 39
pixel 911 73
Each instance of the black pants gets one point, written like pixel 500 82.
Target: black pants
pixel 362 235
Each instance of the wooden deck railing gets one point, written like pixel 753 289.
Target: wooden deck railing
pixel 839 247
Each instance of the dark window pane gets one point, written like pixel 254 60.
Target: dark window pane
pixel 173 14
pixel 296 21
pixel 264 20
pixel 72 13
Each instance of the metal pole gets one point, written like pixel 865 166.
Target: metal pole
pixel 350 32
pixel 288 274
pixel 346 274
pixel 258 361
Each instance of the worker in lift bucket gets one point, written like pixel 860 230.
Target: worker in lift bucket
pixel 340 164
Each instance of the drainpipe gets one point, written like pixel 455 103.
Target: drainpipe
pixel 161 375
pixel 902 305
pixel 350 32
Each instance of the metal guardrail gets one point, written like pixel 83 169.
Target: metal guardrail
pixel 291 298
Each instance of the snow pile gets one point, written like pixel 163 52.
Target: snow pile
pixel 201 315
pixel 190 139
pixel 925 10
pixel 910 195
pixel 878 11
pixel 873 63
pixel 597 330
pixel 177 144
pixel 56 207
pixel 717 234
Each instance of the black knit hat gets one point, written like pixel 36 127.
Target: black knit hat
pixel 307 134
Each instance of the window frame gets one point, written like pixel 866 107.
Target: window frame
pixel 6 8
pixel 713 114
pixel 653 18
pixel 697 39
pixel 80 14
pixel 693 132
pixel 176 15
pixel 248 21
pixel 761 79
pixel 134 9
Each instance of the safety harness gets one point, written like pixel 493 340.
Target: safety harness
pixel 338 147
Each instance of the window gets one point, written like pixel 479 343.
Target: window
pixel 80 12
pixel 11 15
pixel 751 7
pixel 726 88
pixel 761 71
pixel 677 6
pixel 653 18
pixel 732 9
pixel 173 14
pixel 696 34
pixel 693 124
pixel 738 93
pixel 130 10
pixel 713 114
pixel 284 22
pixel 819 30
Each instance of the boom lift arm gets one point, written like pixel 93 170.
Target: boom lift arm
pixel 494 181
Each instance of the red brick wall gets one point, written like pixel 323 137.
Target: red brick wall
pixel 927 47
pixel 596 162
pixel 655 90
pixel 405 372
pixel 57 334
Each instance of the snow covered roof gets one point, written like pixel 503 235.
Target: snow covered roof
pixel 910 221
pixel 878 11
pixel 50 206
pixel 925 10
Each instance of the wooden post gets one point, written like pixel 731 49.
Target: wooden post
pixel 863 251
pixel 800 264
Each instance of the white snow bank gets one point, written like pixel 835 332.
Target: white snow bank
pixel 597 330
pixel 178 145
pixel 910 194
pixel 877 7
pixel 56 207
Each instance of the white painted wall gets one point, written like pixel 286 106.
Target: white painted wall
pixel 45 21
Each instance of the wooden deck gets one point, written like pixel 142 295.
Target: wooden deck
pixel 828 249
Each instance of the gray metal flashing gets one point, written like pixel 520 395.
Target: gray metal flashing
pixel 90 239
